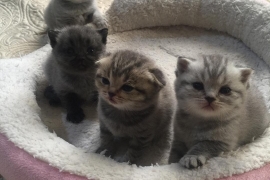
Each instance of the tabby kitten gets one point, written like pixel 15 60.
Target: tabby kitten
pixel 135 107
pixel 70 69
pixel 62 13
pixel 217 110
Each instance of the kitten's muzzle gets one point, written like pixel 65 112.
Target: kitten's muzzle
pixel 111 94
pixel 81 63
pixel 210 99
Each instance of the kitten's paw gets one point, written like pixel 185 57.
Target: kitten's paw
pixel 50 94
pixel 104 151
pixel 100 22
pixel 54 103
pixel 88 17
pixel 99 150
pixel 123 158
pixel 76 116
pixel 192 161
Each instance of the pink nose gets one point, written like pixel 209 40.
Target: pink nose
pixel 210 99
pixel 111 94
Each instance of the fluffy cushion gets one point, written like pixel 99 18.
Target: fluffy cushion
pixel 22 82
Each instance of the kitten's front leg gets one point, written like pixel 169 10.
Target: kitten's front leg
pixel 51 95
pixel 178 150
pixel 73 103
pixel 88 17
pixel 94 16
pixel 201 152
pixel 107 143
pixel 135 150
pixel 99 20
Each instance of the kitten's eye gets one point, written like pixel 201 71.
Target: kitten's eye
pixel 225 90
pixel 105 81
pixel 198 86
pixel 90 50
pixel 127 88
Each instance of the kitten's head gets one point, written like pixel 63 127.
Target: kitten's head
pixel 128 80
pixel 77 48
pixel 77 1
pixel 211 86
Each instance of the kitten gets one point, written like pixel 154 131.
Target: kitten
pixel 70 69
pixel 62 13
pixel 135 106
pixel 217 111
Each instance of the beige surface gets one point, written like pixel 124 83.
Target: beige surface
pixel 104 4
pixel 22 28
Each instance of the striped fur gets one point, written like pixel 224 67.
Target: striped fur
pixel 139 119
pixel 210 118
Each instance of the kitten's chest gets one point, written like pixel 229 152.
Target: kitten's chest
pixel 220 131
pixel 83 86
pixel 120 130
pixel 124 125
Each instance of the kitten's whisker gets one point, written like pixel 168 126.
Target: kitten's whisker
pixel 187 108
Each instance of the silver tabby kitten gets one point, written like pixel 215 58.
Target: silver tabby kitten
pixel 217 110
pixel 62 13
pixel 70 69
pixel 135 108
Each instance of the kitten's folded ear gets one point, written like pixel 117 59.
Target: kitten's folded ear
pixel 159 77
pixel 245 74
pixel 105 59
pixel 52 36
pixel 97 63
pixel 182 64
pixel 104 34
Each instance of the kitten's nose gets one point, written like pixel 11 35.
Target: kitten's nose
pixel 111 94
pixel 81 63
pixel 210 99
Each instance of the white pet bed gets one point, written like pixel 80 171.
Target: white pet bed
pixel 22 82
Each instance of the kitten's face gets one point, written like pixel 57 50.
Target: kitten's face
pixel 77 48
pixel 211 87
pixel 128 81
